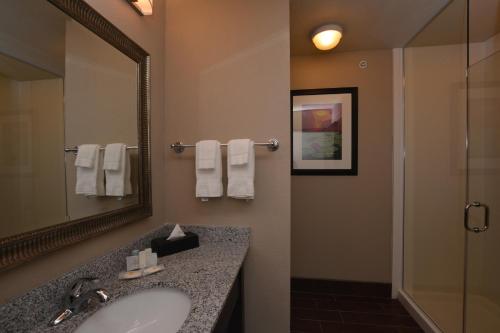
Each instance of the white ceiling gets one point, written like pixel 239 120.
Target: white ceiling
pixel 450 26
pixel 367 24
pixel 484 19
pixel 20 71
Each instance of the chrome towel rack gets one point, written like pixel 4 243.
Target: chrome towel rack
pixel 271 144
pixel 75 149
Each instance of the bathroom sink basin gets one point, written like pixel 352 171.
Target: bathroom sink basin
pixel 154 310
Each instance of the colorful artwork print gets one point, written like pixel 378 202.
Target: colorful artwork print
pixel 322 132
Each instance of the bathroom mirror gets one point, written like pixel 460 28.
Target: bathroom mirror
pixel 68 77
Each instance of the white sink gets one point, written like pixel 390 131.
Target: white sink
pixel 149 311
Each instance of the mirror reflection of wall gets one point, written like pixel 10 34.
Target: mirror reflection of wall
pixel 32 186
pixel 60 86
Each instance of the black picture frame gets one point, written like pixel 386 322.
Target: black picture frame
pixel 353 170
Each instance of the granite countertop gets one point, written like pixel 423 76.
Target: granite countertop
pixel 206 274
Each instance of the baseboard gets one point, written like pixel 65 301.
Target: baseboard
pixel 420 317
pixel 341 287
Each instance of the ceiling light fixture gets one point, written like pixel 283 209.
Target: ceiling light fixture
pixel 327 37
pixel 142 7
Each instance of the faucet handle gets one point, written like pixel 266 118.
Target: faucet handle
pixel 103 295
pixel 77 289
pixel 94 295
pixel 60 317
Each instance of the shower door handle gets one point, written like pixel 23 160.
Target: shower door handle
pixel 486 223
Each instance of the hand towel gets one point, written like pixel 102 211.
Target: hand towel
pixel 205 154
pixel 89 180
pixel 112 156
pixel 240 176
pixel 239 151
pixel 85 156
pixel 118 181
pixel 208 180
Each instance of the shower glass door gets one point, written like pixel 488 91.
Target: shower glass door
pixel 435 64
pixel 452 168
pixel 482 291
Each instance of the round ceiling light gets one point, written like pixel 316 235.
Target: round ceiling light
pixel 327 37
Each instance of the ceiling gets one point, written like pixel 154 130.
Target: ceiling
pixel 450 26
pixel 484 19
pixel 367 24
pixel 20 71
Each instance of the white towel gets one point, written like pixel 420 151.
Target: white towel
pixel 112 156
pixel 240 176
pixel 206 154
pixel 239 151
pixel 208 180
pixel 118 181
pixel 89 180
pixel 85 156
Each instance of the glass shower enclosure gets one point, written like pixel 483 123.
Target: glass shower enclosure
pixel 452 168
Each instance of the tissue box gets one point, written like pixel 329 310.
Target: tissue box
pixel 164 247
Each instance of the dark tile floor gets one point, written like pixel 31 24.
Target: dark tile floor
pixel 320 306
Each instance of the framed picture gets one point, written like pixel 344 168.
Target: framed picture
pixel 324 131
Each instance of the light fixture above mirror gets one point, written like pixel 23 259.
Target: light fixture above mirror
pixel 143 7
pixel 327 37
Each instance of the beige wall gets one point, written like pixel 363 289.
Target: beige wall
pixel 342 225
pixel 32 158
pixel 227 76
pixel 149 33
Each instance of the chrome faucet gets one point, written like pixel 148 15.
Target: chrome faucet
pixel 81 293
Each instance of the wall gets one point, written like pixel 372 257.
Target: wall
pixel 341 226
pixel 149 33
pixel 32 158
pixel 227 70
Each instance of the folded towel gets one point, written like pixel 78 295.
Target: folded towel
pixel 89 180
pixel 112 156
pixel 85 156
pixel 208 180
pixel 206 154
pixel 240 176
pixel 118 181
pixel 239 151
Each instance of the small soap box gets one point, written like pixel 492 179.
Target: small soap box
pixel 163 246
pixel 141 263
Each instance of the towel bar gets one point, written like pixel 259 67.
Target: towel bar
pixel 75 149
pixel 272 145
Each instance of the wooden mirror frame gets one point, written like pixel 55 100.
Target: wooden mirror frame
pixel 23 247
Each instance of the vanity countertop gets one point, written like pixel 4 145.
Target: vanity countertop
pixel 206 274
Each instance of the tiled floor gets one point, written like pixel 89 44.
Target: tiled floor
pixel 320 306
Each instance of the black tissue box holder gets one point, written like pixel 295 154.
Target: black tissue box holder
pixel 163 247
